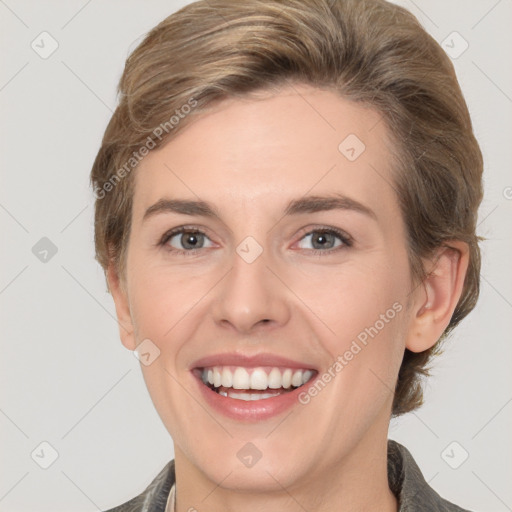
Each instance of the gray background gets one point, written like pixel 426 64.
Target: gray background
pixel 65 378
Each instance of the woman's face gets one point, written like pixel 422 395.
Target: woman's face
pixel 293 258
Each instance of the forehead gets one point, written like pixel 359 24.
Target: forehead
pixel 269 148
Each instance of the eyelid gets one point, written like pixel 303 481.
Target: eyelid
pixel 327 229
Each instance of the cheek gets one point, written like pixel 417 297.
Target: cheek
pixel 166 305
pixel 163 297
pixel 355 296
pixel 363 308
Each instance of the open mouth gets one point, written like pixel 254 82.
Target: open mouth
pixel 259 383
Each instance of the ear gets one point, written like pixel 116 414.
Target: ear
pixel 120 296
pixel 435 301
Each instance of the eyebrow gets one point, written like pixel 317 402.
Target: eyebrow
pixel 308 204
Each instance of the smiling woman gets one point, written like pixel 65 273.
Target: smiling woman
pixel 295 248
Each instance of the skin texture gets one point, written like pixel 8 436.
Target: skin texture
pixel 249 158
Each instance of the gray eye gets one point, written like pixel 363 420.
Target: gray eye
pixel 321 240
pixel 188 240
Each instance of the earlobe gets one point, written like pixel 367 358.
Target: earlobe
pixel 124 319
pixel 438 296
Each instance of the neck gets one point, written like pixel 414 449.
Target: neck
pixel 356 482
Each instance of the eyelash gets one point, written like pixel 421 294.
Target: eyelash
pixel 345 239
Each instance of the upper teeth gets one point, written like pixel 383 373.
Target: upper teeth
pixel 240 378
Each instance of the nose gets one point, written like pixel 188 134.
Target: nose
pixel 251 297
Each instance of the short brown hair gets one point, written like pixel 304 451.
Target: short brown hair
pixel 368 51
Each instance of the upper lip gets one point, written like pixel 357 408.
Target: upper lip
pixel 249 361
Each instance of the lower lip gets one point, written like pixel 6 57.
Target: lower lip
pixel 251 410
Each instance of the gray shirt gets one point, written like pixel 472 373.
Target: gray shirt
pixel 404 476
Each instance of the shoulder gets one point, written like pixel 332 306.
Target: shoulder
pixel 154 497
pixel 407 482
